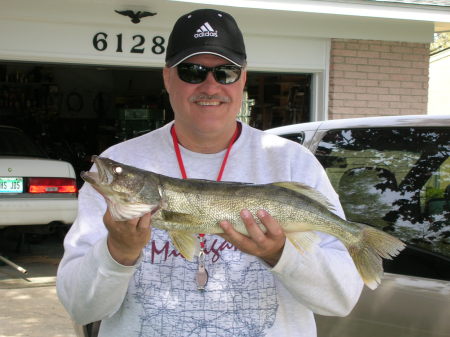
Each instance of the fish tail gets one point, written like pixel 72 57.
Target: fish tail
pixel 367 254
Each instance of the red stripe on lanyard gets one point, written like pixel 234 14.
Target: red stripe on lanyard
pixel 178 152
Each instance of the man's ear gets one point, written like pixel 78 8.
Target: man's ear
pixel 244 77
pixel 166 78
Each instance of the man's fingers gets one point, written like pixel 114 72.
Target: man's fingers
pixel 268 244
pixel 144 222
pixel 250 243
pixel 240 241
pixel 126 239
pixel 255 233
pixel 253 229
pixel 229 230
pixel 273 228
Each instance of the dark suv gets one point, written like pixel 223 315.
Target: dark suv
pixel 392 173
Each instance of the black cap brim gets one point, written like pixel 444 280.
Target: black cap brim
pixel 241 62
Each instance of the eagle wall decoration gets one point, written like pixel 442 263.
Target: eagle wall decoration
pixel 135 16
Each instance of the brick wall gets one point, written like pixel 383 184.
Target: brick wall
pixel 377 78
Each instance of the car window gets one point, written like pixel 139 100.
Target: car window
pixel 298 137
pixel 14 142
pixel 397 179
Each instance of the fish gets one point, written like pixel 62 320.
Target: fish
pixel 186 207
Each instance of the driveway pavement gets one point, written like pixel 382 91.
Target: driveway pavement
pixel 28 302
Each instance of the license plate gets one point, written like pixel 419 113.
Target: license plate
pixel 11 185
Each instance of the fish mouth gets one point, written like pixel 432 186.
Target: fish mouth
pixel 101 177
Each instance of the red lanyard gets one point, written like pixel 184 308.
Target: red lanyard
pixel 176 146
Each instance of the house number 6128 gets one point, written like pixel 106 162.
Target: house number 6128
pixel 100 42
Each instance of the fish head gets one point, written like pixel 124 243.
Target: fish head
pixel 122 186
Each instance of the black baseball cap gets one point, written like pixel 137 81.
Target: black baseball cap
pixel 206 31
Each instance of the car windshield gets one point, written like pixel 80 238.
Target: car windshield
pixel 396 179
pixel 13 142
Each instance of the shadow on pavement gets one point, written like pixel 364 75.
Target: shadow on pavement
pixel 28 302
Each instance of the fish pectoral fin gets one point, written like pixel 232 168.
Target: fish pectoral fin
pixel 180 218
pixel 303 241
pixel 185 243
pixel 307 191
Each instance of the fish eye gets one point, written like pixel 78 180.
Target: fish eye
pixel 117 169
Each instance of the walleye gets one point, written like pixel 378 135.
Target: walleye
pixel 185 207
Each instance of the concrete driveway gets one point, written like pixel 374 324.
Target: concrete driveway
pixel 28 302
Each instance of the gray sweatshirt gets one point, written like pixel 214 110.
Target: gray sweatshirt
pixel 244 296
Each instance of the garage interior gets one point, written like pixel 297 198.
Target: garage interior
pixel 74 111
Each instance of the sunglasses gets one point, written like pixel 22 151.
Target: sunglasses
pixel 196 73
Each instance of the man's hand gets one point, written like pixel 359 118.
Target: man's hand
pixel 268 246
pixel 126 239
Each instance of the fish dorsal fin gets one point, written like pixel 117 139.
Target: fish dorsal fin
pixel 307 191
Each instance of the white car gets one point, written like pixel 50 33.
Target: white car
pixel 34 190
pixel 392 173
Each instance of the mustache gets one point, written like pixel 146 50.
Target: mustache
pixel 204 97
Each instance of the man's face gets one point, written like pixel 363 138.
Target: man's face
pixel 208 106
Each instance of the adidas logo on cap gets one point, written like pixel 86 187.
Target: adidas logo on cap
pixel 205 31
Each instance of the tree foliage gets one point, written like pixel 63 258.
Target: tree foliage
pixel 441 42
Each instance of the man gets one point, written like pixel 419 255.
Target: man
pixel 130 277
